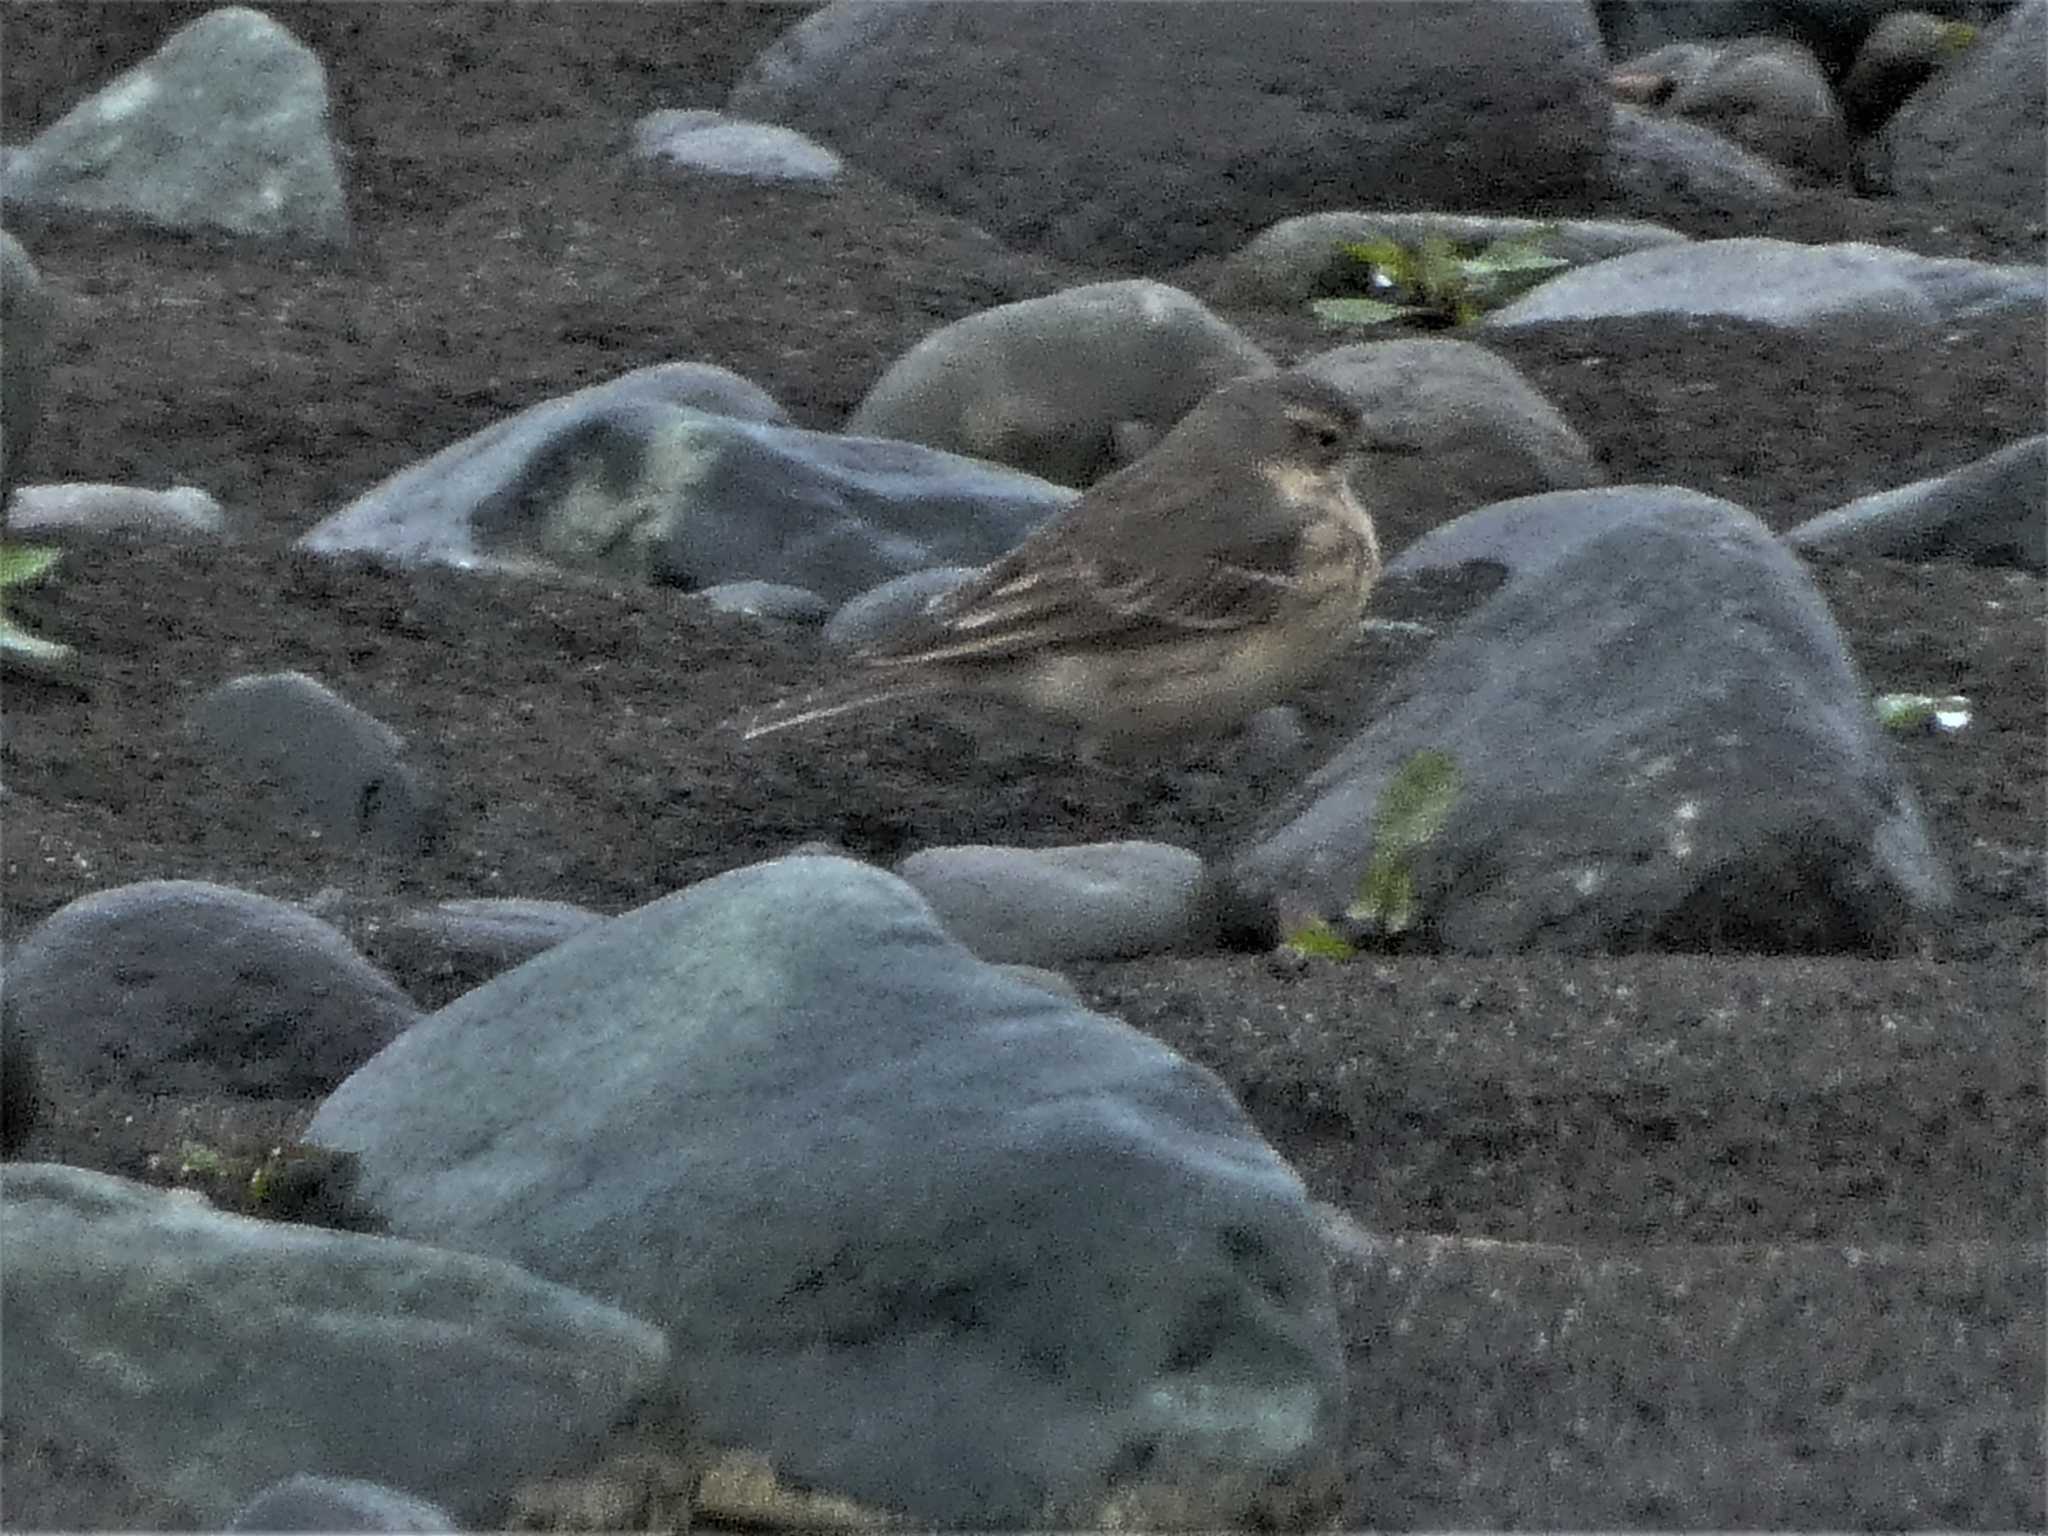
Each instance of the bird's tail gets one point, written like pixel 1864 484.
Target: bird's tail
pixel 829 703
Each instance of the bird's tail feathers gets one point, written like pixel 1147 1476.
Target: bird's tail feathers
pixel 830 703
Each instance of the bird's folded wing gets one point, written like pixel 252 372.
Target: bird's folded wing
pixel 1091 603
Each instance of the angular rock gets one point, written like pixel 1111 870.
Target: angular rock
pixel 1974 134
pixel 179 986
pixel 210 1355
pixel 1990 512
pixel 1661 742
pixel 46 511
pixel 225 127
pixel 1049 906
pixel 1300 258
pixel 1901 53
pixel 1151 135
pixel 25 314
pixel 1045 385
pixel 923 1235
pixel 1847 286
pixel 621 480
pixel 349 773
pixel 494 932
pixel 1654 161
pixel 731 146
pixel 308 1503
pixel 1470 430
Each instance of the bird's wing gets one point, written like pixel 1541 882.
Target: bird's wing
pixel 1085 600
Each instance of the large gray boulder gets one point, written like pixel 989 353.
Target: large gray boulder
pixel 1993 511
pixel 1974 133
pixel 1847 287
pixel 185 986
pixel 1068 386
pixel 225 127
pixel 922 1234
pixel 1138 136
pixel 25 312
pixel 1470 428
pixel 1661 742
pixel 632 481
pixel 209 1356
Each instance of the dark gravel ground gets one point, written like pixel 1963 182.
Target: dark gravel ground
pixel 1625 1104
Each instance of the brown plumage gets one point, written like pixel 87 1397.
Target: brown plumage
pixel 1177 596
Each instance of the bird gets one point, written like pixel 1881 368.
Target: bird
pixel 1171 599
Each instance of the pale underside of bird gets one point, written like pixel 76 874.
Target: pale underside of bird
pixel 1174 598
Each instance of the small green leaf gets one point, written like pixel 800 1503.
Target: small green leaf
pixel 1386 897
pixel 1906 712
pixel 21 564
pixel 1361 311
pixel 1416 803
pixel 1317 940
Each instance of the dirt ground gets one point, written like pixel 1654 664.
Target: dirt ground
pixel 505 254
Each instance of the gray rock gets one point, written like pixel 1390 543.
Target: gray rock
pixel 25 313
pixel 1046 385
pixel 46 511
pixel 1050 906
pixel 1847 287
pixel 867 618
pixel 1655 160
pixel 923 1235
pixel 732 146
pixel 1154 134
pixel 1661 739
pixel 209 1356
pixel 494 932
pixel 225 127
pixel 308 1503
pixel 1297 259
pixel 1900 55
pixel 1469 430
pixel 349 773
pixel 1771 96
pixel 182 986
pixel 1974 134
pixel 1991 512
pixel 774 600
pixel 616 481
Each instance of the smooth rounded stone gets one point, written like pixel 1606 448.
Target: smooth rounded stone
pixel 869 617
pixel 1050 906
pixel 1900 55
pixel 638 489
pixel 1846 287
pixel 225 127
pixel 497 932
pixel 73 507
pixel 26 310
pixel 308 1503
pixel 732 146
pixel 1046 384
pixel 262 1347
pixel 20 1085
pixel 179 986
pixel 1156 134
pixel 1771 96
pixel 1644 760
pixel 923 1236
pixel 1468 428
pixel 1298 259
pixel 1654 159
pixel 348 772
pixel 1974 134
pixel 774 600
pixel 1993 511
